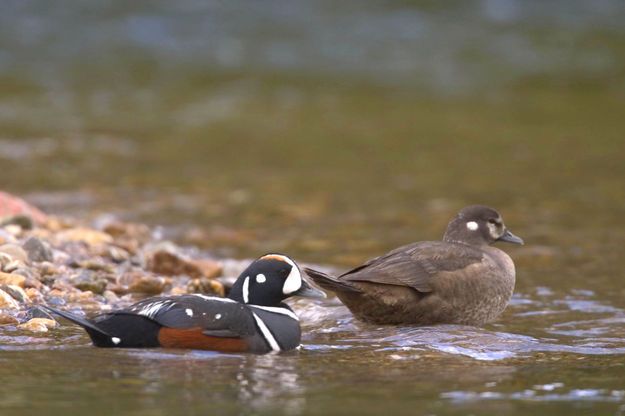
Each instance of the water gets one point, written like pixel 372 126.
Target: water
pixel 331 133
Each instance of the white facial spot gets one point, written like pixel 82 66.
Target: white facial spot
pixel 472 225
pixel 492 230
pixel 246 289
pixel 218 316
pixel 116 340
pixel 188 312
pixel 260 278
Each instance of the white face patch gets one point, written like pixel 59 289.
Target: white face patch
pixel 116 340
pixel 189 312
pixel 246 289
pixel 492 230
pixel 293 281
pixel 260 278
pixel 472 225
pixel 218 316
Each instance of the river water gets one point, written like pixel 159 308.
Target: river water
pixel 332 133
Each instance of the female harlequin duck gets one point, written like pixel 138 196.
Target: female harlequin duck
pixel 252 319
pixel 460 280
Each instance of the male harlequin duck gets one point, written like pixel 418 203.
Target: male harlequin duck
pixel 460 280
pixel 252 318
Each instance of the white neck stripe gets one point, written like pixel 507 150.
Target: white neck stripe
pixel 246 290
pixel 266 333
pixel 274 309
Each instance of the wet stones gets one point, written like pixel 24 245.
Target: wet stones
pixel 60 262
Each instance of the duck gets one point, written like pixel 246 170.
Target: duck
pixel 253 318
pixel 461 280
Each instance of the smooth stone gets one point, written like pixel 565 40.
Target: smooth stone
pixel 86 235
pixel 208 268
pixel 87 281
pixel 206 286
pixel 6 319
pixel 37 312
pixel 23 221
pixel 7 301
pixel 12 279
pixel 38 324
pixel 16 293
pixel 170 264
pixel 15 252
pixel 38 250
pixel 137 282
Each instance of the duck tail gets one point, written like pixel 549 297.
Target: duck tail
pixel 88 325
pixel 328 282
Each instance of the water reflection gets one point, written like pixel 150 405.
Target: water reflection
pixel 271 381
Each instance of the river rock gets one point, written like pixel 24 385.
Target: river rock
pixel 86 235
pixel 208 268
pixel 16 293
pixel 170 264
pixel 137 282
pixel 38 250
pixel 37 312
pixel 12 279
pixel 89 281
pixel 15 252
pixel 206 286
pixel 6 319
pixel 38 324
pixel 7 301
pixel 13 205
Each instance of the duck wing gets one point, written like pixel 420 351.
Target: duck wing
pixel 415 265
pixel 217 316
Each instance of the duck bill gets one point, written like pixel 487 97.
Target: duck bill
pixel 508 237
pixel 307 290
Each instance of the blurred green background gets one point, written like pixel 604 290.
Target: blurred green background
pixel 328 131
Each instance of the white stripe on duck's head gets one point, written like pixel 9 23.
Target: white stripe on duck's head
pixel 269 280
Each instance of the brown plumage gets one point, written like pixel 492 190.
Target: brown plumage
pixel 460 280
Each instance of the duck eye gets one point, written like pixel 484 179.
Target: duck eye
pixel 494 222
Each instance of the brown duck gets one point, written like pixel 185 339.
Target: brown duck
pixel 460 280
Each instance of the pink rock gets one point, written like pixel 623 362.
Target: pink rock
pixel 13 205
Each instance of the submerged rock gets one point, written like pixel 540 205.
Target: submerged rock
pixel 38 324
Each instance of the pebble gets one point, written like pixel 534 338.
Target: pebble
pixel 12 279
pixel 206 286
pixel 16 293
pixel 85 235
pixel 7 301
pixel 6 319
pixel 38 324
pixel 15 252
pixel 87 280
pixel 38 250
pixel 170 264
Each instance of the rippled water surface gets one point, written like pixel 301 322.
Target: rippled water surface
pixel 332 133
